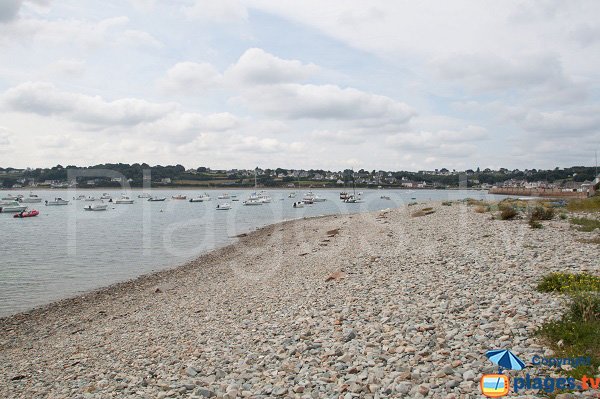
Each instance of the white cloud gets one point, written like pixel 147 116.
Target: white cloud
pixel 45 99
pixel 190 77
pixel 217 11
pixel 67 67
pixel 257 67
pixel 296 101
pixel 568 124
pixel 134 38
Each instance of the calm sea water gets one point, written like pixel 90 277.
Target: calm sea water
pixel 66 251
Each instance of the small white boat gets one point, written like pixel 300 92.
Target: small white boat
pixel 264 197
pixel 179 197
pixel 299 204
pixel 144 195
pixel 253 201
pixel 344 195
pixel 312 197
pixel 235 199
pixel 352 200
pixel 80 198
pixel 105 196
pixel 90 199
pixel 32 199
pixel 124 201
pixel 223 207
pixel 292 195
pixel 57 201
pixel 10 197
pixel 307 201
pixel 12 207
pixel 223 196
pixel 96 207
pixel 197 199
pixel 157 199
pixel 205 197
pixel 385 197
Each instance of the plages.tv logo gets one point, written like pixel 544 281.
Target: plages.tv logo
pixel 498 385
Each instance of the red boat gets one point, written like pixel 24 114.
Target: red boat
pixel 29 214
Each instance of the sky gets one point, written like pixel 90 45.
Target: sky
pixel 393 85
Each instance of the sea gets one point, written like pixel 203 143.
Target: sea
pixel 66 251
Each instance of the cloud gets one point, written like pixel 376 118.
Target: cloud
pixel 257 67
pixel 68 67
pixel 483 72
pixel 45 99
pixel 217 11
pixel 135 38
pixel 184 127
pixel 445 143
pixel 580 122
pixel 190 77
pixel 9 9
pixel 296 101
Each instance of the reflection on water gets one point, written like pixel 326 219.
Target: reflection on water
pixel 66 250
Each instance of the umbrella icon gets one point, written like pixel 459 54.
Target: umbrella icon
pixel 505 359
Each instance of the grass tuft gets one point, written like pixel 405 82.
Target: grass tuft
pixel 585 224
pixel 591 204
pixel 577 333
pixel 508 213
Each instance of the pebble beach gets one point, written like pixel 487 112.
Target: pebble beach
pixel 373 305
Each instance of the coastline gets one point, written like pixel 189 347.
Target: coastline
pixel 408 306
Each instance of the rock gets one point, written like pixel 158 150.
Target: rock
pixel 350 335
pixel 192 372
pixel 205 393
pixel 469 375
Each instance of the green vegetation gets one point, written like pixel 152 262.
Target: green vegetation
pixel 541 213
pixel 565 282
pixel 595 240
pixel 563 216
pixel 423 212
pixel 591 204
pixel 577 333
pixel 585 224
pixel 534 224
pixel 508 213
pixel 447 203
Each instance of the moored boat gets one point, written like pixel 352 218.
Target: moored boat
pixel 223 196
pixel 124 200
pixel 57 201
pixel 179 197
pixel 11 207
pixel 105 196
pixel 96 207
pixel 157 199
pixel 32 199
pixel 223 207
pixel 299 204
pixel 24 214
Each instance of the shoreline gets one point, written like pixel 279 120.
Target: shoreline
pixel 378 303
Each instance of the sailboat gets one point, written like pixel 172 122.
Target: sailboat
pixel 254 199
pixel 352 198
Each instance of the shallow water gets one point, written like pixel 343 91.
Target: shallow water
pixel 66 251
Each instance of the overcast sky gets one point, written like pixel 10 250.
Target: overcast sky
pixel 401 85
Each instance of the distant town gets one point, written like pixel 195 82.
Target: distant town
pixel 576 178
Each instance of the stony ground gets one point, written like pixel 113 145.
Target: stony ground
pixel 375 305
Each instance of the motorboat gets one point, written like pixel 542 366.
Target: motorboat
pixel 223 196
pixel 299 204
pixel 344 195
pixel 144 195
pixel 124 200
pixel 197 199
pixel 57 201
pixel 179 197
pixel 385 197
pixel 80 198
pixel 29 214
pixel 10 197
pixel 264 197
pixel 157 199
pixel 12 206
pixel 292 195
pixel 32 199
pixel 352 199
pixel 308 201
pixel 224 206
pixel 205 197
pixel 253 200
pixel 235 199
pixel 105 196
pixel 96 207
pixel 90 199
pixel 312 197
